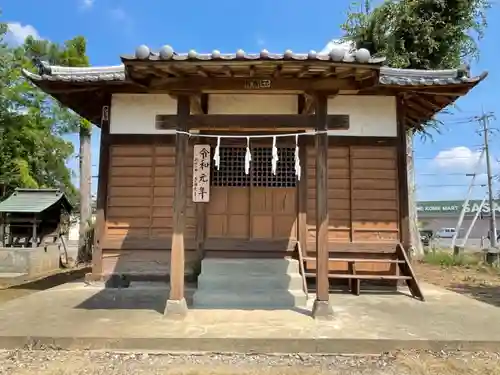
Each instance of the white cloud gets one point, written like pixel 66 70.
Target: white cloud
pixel 17 33
pixel 348 46
pixel 458 159
pixel 86 4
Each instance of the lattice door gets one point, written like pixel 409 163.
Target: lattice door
pixel 259 205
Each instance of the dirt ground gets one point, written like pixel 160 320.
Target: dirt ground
pixel 50 362
pixel 479 282
pixel 475 281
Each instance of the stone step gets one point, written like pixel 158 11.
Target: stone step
pixel 217 299
pixel 248 283
pixel 214 266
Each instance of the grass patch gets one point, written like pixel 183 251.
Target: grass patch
pixel 448 259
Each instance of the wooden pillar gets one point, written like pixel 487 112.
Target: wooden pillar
pixel 322 308
pixel 102 193
pixel 404 204
pixel 305 107
pixel 176 304
pixel 34 243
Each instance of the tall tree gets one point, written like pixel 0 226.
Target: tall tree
pixel 32 154
pixel 72 54
pixel 419 34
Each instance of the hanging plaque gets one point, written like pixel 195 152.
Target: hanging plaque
pixel 201 173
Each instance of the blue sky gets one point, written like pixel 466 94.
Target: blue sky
pixel 114 27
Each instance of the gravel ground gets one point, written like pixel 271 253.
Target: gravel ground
pixel 54 362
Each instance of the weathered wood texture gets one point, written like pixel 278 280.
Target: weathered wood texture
pixel 141 194
pixel 251 219
pixel 150 264
pixel 362 201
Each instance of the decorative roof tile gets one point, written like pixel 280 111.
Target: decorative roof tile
pixel 337 54
pixel 387 76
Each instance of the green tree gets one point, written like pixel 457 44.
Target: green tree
pixel 72 54
pixel 419 34
pixel 31 153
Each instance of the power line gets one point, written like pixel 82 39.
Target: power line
pixel 449 185
pixel 445 174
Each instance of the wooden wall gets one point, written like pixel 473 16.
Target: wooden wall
pixel 362 195
pixel 139 208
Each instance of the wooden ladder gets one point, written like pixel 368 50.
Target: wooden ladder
pixel 406 272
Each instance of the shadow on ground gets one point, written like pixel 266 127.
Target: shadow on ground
pixel 51 281
pixel 483 293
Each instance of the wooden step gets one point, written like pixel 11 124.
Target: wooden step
pixel 361 277
pixel 359 260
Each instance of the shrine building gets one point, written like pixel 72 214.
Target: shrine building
pixel 260 175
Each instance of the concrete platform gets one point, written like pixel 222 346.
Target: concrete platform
pixel 75 316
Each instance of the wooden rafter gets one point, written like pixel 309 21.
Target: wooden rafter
pixel 332 71
pixel 303 72
pixel 277 71
pixel 200 71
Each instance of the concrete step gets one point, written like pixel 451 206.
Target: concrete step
pixel 213 266
pixel 217 299
pixel 12 275
pixel 244 282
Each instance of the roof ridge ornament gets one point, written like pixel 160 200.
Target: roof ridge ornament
pixel 142 52
pixel 42 66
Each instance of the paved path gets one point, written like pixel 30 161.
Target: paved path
pixel 78 316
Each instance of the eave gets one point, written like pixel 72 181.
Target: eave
pixel 86 90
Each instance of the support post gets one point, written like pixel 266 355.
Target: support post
pixel 102 193
pixel 176 306
pixel 322 308
pixel 305 107
pixel 403 193
pixel 34 243
pixel 493 225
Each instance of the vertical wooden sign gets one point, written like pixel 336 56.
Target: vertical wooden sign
pixel 201 173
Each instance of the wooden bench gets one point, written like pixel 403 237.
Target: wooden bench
pixel 405 271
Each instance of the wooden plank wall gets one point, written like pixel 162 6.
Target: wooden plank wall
pixel 139 213
pixel 362 195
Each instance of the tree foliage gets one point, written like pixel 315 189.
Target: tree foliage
pixel 33 152
pixel 419 34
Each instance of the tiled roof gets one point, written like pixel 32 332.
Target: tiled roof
pixel 388 76
pixel 337 54
pixel 414 77
pixel 32 200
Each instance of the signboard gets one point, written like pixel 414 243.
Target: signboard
pixel 201 173
pixel 435 208
pixel 254 84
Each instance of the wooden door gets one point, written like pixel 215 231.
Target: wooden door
pixel 257 206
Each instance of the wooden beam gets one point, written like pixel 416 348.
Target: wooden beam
pixel 404 204
pixel 253 121
pixel 253 84
pixel 102 191
pixel 322 308
pixel 176 304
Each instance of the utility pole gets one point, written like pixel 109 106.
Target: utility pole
pixel 493 227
